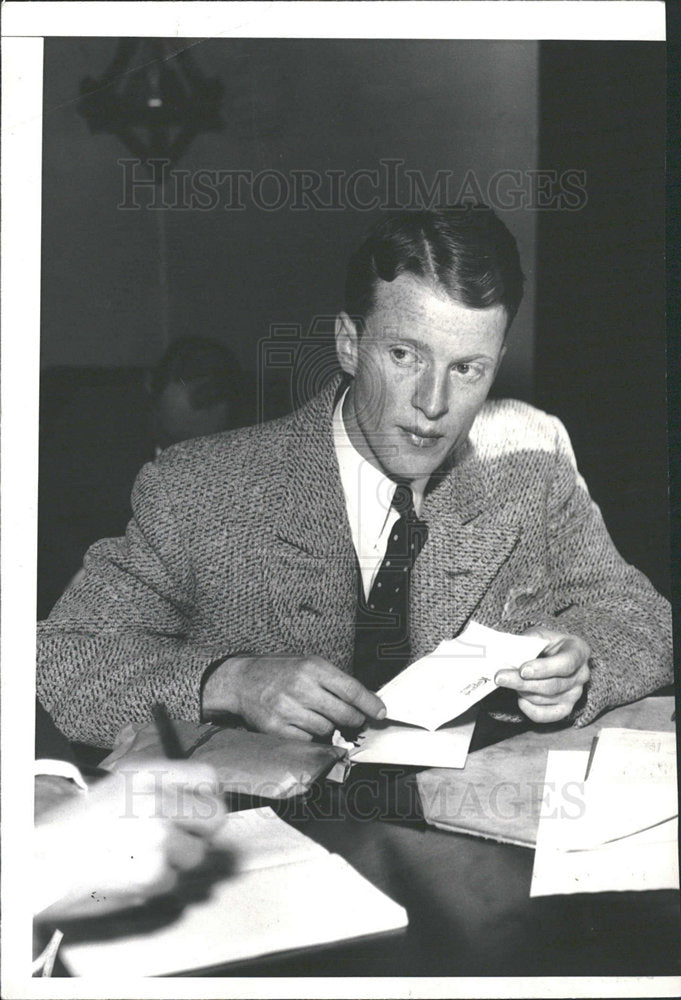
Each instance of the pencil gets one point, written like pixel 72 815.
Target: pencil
pixel 170 741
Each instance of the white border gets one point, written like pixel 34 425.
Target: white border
pixel 617 20
pixel 426 987
pixel 22 104
pixel 21 186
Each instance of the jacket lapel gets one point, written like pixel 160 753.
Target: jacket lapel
pixel 468 541
pixel 311 566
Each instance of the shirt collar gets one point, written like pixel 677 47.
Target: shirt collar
pixel 368 491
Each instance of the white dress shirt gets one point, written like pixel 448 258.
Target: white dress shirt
pixel 368 501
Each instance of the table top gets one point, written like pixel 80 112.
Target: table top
pixel 470 912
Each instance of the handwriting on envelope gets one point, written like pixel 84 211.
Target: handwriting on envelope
pixel 458 673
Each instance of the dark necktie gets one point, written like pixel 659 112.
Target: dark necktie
pixel 382 625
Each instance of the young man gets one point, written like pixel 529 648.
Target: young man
pixel 257 574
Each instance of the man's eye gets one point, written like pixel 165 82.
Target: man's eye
pixel 468 371
pixel 403 356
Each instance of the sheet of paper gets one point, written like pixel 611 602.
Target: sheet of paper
pixel 388 743
pixel 603 836
pixel 257 838
pixel 457 674
pixel 634 755
pixel 259 910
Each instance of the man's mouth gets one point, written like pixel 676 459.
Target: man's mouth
pixel 422 439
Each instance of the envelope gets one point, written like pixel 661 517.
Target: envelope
pixel 458 673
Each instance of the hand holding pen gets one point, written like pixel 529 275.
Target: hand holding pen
pixel 129 838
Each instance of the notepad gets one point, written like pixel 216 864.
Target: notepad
pixel 285 892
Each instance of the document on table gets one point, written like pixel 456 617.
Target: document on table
pixel 458 673
pixel 284 892
pixel 616 830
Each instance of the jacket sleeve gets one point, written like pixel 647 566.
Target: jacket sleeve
pixel 600 597
pixel 119 638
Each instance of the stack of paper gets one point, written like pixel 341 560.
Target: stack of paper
pixel 501 793
pixel 285 892
pixel 439 688
pixel 613 821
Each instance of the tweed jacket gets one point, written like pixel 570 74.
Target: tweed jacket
pixel 240 542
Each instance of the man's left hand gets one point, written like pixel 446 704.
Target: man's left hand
pixel 549 687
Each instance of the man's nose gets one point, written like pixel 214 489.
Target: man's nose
pixel 431 393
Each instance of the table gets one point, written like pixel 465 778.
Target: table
pixel 468 901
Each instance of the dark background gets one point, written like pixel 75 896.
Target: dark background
pixel 118 287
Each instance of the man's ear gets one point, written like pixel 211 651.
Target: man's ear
pixel 347 343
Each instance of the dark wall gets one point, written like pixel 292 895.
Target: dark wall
pixel 600 352
pixel 119 285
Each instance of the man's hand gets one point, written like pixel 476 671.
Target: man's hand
pixel 302 697
pixel 128 839
pixel 550 686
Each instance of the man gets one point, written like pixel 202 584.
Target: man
pixel 193 391
pixel 251 579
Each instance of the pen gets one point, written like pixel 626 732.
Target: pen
pixel 170 741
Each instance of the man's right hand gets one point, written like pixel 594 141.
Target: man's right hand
pixel 296 696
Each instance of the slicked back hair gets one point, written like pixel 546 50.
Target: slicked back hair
pixel 466 250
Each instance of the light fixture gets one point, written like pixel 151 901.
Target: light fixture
pixel 154 97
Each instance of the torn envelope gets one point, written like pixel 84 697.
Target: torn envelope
pixel 395 743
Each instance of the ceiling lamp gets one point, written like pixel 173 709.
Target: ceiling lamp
pixel 153 97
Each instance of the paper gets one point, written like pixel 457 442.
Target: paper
pixel 603 836
pixel 634 755
pixel 502 792
pixel 257 838
pixel 267 905
pixel 457 674
pixel 387 743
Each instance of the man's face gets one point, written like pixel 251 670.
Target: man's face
pixel 421 371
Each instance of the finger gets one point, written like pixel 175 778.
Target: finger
pixel 544 713
pixel 552 687
pixel 309 720
pixel 572 655
pixel 549 634
pixel 508 678
pixel 572 695
pixel 202 815
pixel 293 732
pixel 350 690
pixel 184 851
pixel 300 711
pixel 337 713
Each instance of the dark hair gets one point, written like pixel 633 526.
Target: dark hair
pixel 209 370
pixel 465 249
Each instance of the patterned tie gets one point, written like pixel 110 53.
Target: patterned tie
pixel 382 625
